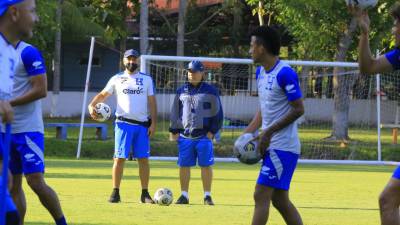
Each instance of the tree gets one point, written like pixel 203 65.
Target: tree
pixel 324 30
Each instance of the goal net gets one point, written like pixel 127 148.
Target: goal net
pixel 340 124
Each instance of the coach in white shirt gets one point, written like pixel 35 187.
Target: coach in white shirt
pixel 136 104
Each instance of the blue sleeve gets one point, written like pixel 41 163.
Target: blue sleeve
pixel 218 119
pixel 289 82
pixel 33 61
pixel 176 125
pixel 394 58
pixel 258 70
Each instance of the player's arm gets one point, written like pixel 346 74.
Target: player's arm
pixel 100 97
pixel 296 111
pixel 218 119
pixel 151 98
pixel 6 112
pixel 153 114
pixel 367 62
pixel 255 123
pixel 175 119
pixel 38 91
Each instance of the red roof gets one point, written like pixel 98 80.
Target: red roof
pixel 173 5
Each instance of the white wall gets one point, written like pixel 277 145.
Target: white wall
pixel 239 107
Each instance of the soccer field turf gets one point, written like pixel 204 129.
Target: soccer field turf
pixel 324 194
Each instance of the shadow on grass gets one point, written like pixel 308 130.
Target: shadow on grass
pixel 108 177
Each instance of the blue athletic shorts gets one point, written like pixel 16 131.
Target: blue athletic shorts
pixel 277 169
pixel 131 137
pixel 396 173
pixel 191 150
pixel 27 153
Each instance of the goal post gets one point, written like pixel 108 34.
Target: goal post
pixel 354 102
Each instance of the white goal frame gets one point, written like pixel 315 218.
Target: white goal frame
pixel 145 59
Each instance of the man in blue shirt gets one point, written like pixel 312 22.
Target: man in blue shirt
pixel 196 117
pixel 389 200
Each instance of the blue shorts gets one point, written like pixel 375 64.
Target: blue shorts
pixel 192 149
pixel 131 137
pixel 27 153
pixel 277 169
pixel 396 173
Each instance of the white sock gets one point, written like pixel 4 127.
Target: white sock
pixel 186 194
pixel 207 193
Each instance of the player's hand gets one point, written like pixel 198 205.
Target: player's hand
pixel 6 112
pixel 174 137
pixel 362 18
pixel 152 130
pixel 210 135
pixel 92 112
pixel 264 140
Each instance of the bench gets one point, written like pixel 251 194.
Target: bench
pixel 395 131
pixel 61 129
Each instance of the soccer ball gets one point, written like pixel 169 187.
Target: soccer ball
pixel 163 196
pixel 246 150
pixel 103 111
pixel 362 4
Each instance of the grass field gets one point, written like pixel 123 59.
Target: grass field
pixel 324 195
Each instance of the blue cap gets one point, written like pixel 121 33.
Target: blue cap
pixel 130 52
pixel 5 4
pixel 195 66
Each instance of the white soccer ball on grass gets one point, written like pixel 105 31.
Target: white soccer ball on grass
pixel 163 196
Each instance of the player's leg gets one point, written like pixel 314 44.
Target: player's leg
pixel 16 169
pixel 141 151
pixel 122 147
pixel 262 200
pixel 389 201
pixel 18 195
pixel 281 201
pixel 276 173
pixel 30 146
pixel 205 155
pixel 186 159
pixel 47 196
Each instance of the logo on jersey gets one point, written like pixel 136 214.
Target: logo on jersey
pixel 290 88
pixel 37 65
pixel 139 81
pixel 137 91
pixel 123 79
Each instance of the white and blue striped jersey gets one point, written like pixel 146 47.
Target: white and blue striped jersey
pixel 27 117
pixel 276 88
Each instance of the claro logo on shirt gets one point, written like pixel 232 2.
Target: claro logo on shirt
pixel 133 91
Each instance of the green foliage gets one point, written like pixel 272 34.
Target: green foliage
pixel 318 25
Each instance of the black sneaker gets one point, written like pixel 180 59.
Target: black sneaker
pixel 146 198
pixel 182 200
pixel 208 200
pixel 114 198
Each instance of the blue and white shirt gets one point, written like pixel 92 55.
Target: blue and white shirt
pixel 27 117
pixel 132 93
pixel 276 88
pixel 8 60
pixel 394 58
pixel 196 110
